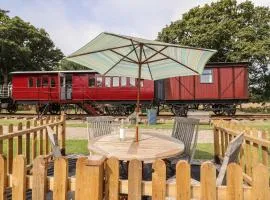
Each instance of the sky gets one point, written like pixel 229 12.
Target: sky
pixel 73 23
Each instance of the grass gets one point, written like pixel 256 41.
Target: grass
pixel 204 151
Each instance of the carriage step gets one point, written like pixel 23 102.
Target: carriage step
pixel 89 109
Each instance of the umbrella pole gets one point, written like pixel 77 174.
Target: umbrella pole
pixel 138 94
pixel 138 104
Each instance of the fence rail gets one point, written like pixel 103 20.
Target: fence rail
pixel 30 140
pixel 255 148
pixel 97 179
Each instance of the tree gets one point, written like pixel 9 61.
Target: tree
pixel 68 65
pixel 240 32
pixel 24 47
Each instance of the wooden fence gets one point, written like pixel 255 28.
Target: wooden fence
pixel 99 179
pixel 255 148
pixel 31 140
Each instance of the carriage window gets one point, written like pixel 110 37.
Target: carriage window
pixel 52 82
pixel 207 76
pixel 115 82
pixel 30 82
pixel 62 81
pixel 99 81
pixel 38 82
pixel 141 83
pixel 91 81
pixel 107 81
pixel 132 81
pixel 123 81
pixel 45 81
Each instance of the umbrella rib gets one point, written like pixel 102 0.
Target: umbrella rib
pixel 134 49
pixel 134 61
pixel 119 62
pixel 148 65
pixel 146 59
pixel 178 46
pixel 163 43
pixel 156 60
pixel 90 52
pixel 173 60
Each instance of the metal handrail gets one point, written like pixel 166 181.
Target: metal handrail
pixel 5 91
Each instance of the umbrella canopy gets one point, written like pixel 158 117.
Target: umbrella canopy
pixel 118 55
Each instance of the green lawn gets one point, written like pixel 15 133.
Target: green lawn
pixel 204 151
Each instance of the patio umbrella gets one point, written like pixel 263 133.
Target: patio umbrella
pixel 118 55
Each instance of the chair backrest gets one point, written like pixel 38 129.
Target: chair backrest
pixel 56 152
pixel 186 130
pixel 231 155
pixel 98 126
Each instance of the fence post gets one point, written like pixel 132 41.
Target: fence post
pixel 19 178
pixel 19 143
pixel 39 178
pixel 135 180
pixel 60 187
pixel 63 135
pixel 89 178
pixel 216 144
pixel 1 141
pixel 234 182
pixel 41 138
pixel 3 177
pixel 208 181
pixel 10 149
pixel 255 149
pixel 34 142
pixel 183 181
pixel 159 180
pixel 265 149
pixel 27 143
pixel 112 179
pixel 260 183
pixel 248 155
pixel 47 121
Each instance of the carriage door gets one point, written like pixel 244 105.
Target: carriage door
pixel 63 86
pixel 68 86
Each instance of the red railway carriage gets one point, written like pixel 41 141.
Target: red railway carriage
pixel 89 90
pixel 221 87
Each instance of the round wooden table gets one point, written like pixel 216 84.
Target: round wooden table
pixel 150 147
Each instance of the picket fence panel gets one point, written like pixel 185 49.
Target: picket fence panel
pixel 255 148
pixel 98 180
pixel 24 140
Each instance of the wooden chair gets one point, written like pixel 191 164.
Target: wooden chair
pixel 231 155
pixel 99 126
pixel 56 151
pixel 185 130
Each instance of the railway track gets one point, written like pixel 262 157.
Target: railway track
pixel 242 117
pixel 161 117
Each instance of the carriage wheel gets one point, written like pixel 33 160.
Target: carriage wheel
pixel 54 109
pixel 231 110
pixel 180 110
pixel 12 108
pixel 218 109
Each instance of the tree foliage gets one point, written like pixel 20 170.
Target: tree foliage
pixel 24 47
pixel 240 32
pixel 68 65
